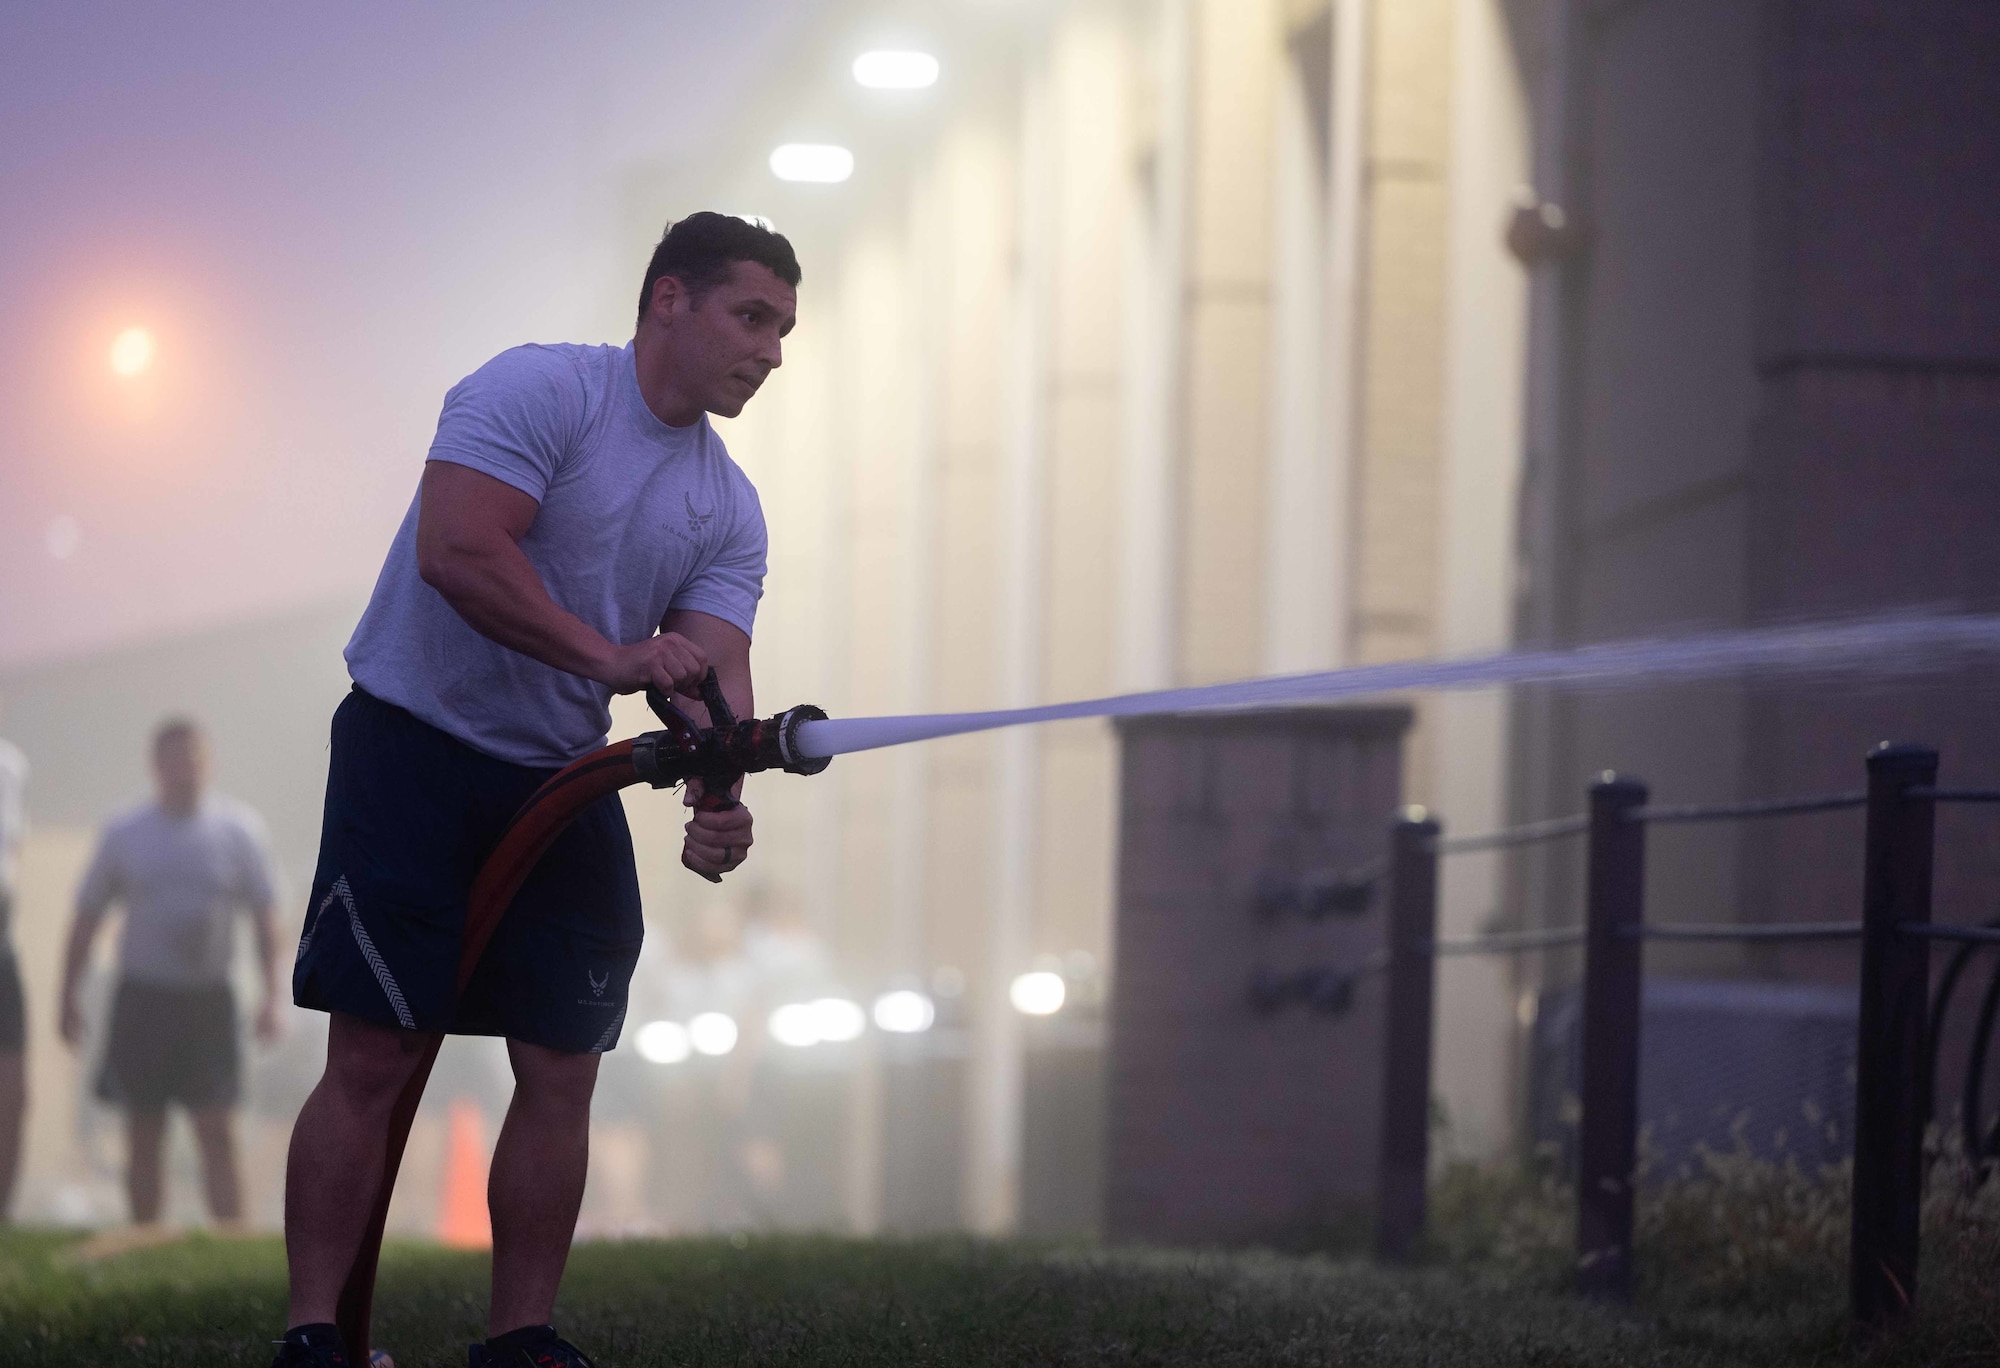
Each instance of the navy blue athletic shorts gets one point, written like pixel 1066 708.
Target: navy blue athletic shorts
pixel 411 814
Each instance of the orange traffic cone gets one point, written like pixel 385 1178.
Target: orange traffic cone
pixel 463 1222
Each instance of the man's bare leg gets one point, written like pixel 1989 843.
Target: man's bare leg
pixel 535 1187
pixel 215 1137
pixel 13 1111
pixel 339 1146
pixel 145 1144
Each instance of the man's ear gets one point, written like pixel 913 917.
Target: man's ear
pixel 667 291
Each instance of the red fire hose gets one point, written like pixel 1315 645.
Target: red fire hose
pixel 719 755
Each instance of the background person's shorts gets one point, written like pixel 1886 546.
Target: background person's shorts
pixel 169 1044
pixel 411 814
pixel 13 1016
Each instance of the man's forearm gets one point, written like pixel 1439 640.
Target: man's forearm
pixel 266 931
pixel 76 954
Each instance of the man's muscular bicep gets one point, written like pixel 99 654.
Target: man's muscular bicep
pixel 464 515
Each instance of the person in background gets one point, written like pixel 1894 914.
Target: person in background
pixel 183 866
pixel 13 1019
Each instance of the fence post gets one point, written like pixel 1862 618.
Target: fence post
pixel 1401 1177
pixel 1612 980
pixel 1889 1061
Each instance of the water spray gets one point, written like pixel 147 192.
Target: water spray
pixel 1881 645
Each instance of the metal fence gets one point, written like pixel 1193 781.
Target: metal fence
pixel 1898 1021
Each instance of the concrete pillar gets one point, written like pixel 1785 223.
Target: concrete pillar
pixel 1230 1123
pixel 1226 396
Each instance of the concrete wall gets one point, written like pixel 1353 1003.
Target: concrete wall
pixel 1781 395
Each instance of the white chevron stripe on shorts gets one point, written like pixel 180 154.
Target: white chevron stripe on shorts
pixel 610 1033
pixel 373 956
pixel 339 890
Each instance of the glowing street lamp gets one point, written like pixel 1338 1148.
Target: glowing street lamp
pixel 712 1033
pixel 1038 993
pixel 836 1020
pixel 812 163
pixel 793 1025
pixel 904 1011
pixel 896 70
pixel 132 352
pixel 664 1042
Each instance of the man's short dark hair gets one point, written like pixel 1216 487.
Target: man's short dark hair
pixel 173 729
pixel 700 250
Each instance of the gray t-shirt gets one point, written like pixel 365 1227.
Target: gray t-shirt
pixel 183 881
pixel 636 518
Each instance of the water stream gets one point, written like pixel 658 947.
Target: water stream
pixel 1881 646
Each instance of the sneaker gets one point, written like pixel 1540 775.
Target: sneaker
pixel 311 1346
pixel 548 1350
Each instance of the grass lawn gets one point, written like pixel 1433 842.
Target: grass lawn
pixel 803 1300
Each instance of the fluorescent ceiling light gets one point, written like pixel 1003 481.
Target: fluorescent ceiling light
pixel 812 163
pixel 896 70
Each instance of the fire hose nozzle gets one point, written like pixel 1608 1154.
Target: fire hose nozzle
pixel 786 726
pixel 724 754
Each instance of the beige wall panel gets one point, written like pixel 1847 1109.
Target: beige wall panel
pixel 975 179
pixel 1237 49
pixel 1404 335
pixel 975 176
pixel 966 594
pixel 959 878
pixel 876 369
pixel 1222 520
pixel 1089 89
pixel 1411 90
pixel 870 843
pixel 1080 617
pixel 1078 837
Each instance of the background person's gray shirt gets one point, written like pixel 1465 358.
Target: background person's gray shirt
pixel 636 518
pixel 182 881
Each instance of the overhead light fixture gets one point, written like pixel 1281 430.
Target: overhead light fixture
pixel 889 70
pixel 1040 993
pixel 812 163
pixel 712 1033
pixel 904 1011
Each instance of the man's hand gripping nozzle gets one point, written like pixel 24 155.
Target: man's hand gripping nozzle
pixel 721 753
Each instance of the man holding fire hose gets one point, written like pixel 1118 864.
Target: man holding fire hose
pixel 579 531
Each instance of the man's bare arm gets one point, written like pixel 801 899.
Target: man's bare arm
pixel 264 929
pixel 469 530
pixel 76 955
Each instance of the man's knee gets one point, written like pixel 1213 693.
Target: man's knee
pixel 367 1065
pixel 545 1077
